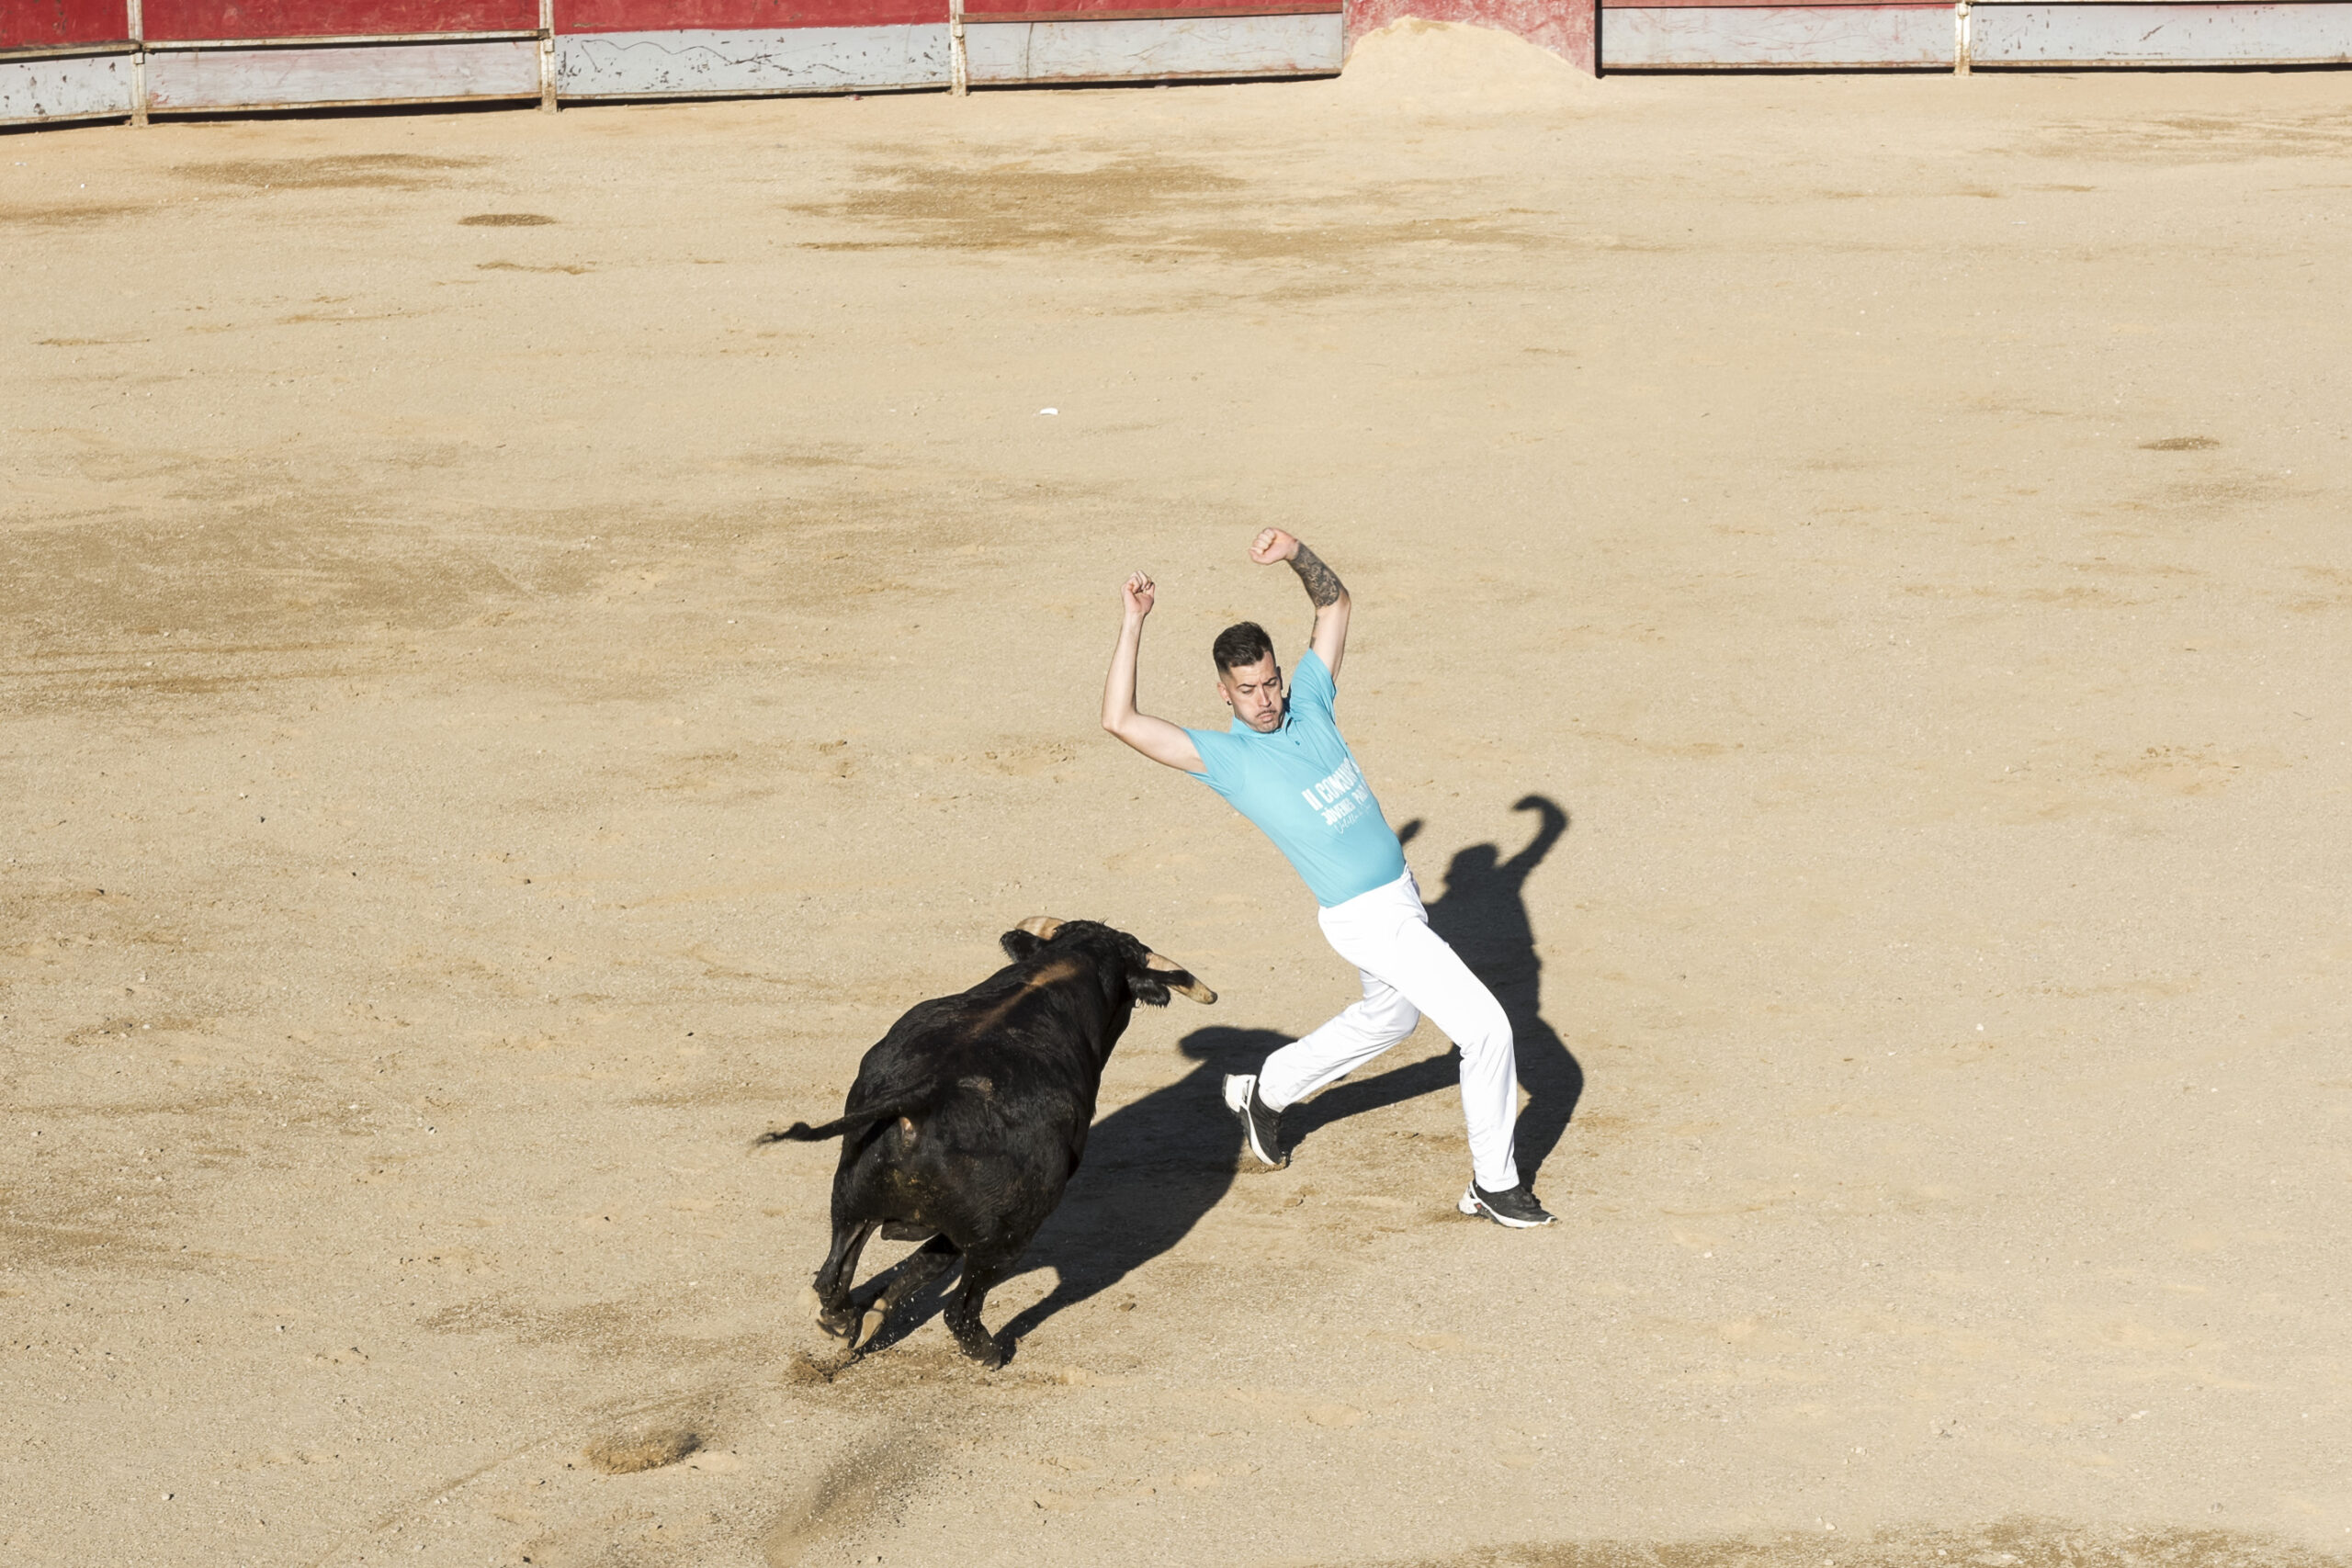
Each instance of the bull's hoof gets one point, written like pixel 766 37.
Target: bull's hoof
pixel 843 1325
pixel 867 1328
pixel 985 1349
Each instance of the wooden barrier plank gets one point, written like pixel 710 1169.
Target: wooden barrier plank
pixel 76 87
pixel 1139 10
pixel 783 60
pixel 2318 32
pixel 50 24
pixel 183 80
pixel 1564 26
pixel 1782 37
pixel 186 20
pixel 740 17
pixel 1739 5
pixel 1293 45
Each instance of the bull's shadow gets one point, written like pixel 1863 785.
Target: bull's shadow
pixel 1483 915
pixel 1153 1168
pixel 1155 1165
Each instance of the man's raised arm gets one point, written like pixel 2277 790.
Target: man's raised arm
pixel 1155 738
pixel 1324 590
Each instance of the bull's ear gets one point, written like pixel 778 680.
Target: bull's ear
pixel 1177 978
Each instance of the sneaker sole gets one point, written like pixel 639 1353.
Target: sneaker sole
pixel 1238 1089
pixel 1470 1205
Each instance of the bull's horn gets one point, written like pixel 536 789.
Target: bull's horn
pixel 1191 987
pixel 1042 926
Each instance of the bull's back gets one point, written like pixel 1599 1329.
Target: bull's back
pixel 1022 1034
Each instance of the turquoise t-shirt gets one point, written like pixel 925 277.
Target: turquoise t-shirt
pixel 1303 789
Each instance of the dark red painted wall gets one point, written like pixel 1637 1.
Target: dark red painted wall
pixel 333 18
pixel 38 24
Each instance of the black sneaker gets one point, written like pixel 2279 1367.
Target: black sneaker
pixel 1261 1123
pixel 1517 1208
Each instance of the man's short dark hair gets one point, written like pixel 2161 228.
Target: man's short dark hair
pixel 1238 647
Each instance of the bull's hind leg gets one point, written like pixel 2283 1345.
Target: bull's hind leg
pixel 918 1269
pixel 981 1272
pixel 836 1315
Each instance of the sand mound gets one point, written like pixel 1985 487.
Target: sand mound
pixel 642 1450
pixel 1452 64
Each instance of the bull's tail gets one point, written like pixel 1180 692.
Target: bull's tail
pixel 801 1133
pixel 856 1126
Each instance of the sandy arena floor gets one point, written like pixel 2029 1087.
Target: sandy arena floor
pixel 528 640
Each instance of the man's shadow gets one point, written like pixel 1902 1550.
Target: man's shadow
pixel 1483 915
pixel 1155 1166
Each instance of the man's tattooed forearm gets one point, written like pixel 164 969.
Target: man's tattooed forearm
pixel 1323 584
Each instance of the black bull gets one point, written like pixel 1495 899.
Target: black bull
pixel 968 1118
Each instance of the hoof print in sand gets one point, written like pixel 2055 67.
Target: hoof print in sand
pixel 645 1450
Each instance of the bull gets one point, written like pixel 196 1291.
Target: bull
pixel 969 1117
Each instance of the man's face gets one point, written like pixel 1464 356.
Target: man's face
pixel 1255 693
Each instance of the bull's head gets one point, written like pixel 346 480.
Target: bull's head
pixel 1150 977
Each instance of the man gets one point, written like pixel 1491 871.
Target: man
pixel 1283 764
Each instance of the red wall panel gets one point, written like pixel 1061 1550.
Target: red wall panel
pixel 334 18
pixel 39 24
pixel 745 15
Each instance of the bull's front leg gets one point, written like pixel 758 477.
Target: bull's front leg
pixel 836 1315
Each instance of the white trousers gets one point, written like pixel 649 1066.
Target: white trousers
pixel 1409 971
